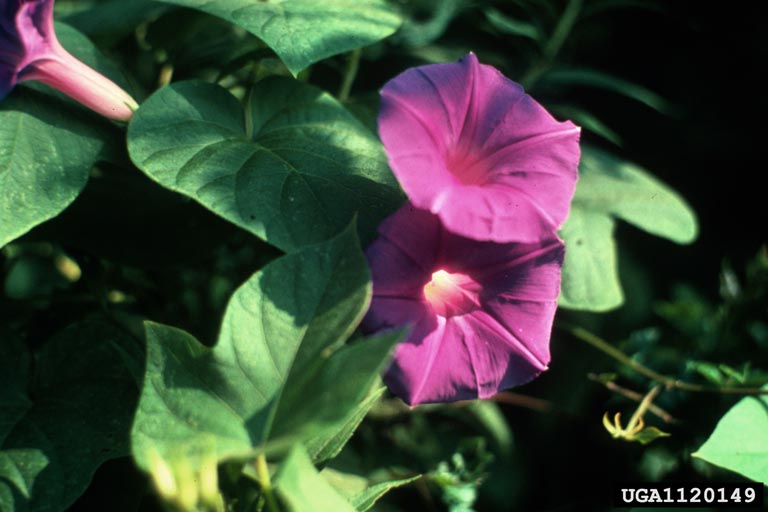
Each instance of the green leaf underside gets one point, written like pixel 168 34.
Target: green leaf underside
pixel 273 377
pixel 740 440
pixel 302 32
pixel 609 189
pixel 368 498
pixel 358 490
pixel 301 488
pixel 305 172
pixel 47 147
pixel 648 435
pixel 84 397
pixel 326 447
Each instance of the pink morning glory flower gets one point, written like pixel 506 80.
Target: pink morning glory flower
pixel 470 146
pixel 480 313
pixel 29 50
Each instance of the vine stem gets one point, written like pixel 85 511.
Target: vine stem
pixel 353 64
pixel 262 471
pixel 528 402
pixel 553 45
pixel 666 381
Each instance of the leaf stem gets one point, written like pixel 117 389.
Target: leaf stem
pixel 664 380
pixel 353 64
pixel 262 471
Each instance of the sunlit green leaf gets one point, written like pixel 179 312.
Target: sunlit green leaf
pixel 301 488
pixel 368 497
pixel 303 32
pixel 740 439
pixel 327 445
pixel 293 170
pixel 63 416
pixel 610 189
pixel 280 371
pixel 358 490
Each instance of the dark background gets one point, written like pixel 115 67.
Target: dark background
pixel 706 59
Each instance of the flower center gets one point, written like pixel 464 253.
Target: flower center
pixel 451 294
pixel 468 167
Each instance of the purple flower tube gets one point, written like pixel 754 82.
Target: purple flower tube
pixel 29 50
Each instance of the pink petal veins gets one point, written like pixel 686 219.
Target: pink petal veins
pixel 469 145
pixel 480 312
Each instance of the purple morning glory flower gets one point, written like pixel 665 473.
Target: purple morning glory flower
pixel 469 145
pixel 481 312
pixel 29 50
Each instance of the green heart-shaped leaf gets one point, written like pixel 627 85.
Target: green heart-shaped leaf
pixel 293 170
pixel 740 439
pixel 301 487
pixel 303 32
pixel 609 189
pixel 280 371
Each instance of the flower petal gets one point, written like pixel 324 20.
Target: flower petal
pixel 498 340
pixel 34 25
pixel 500 360
pixel 391 312
pixel 462 358
pixel 431 366
pixel 417 233
pixel 468 144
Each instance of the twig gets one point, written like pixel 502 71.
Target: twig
pixel 664 380
pixel 635 397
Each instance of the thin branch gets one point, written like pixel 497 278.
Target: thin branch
pixel 635 397
pixel 664 380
